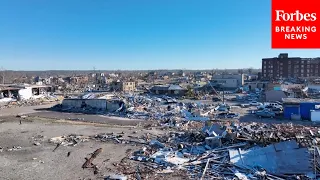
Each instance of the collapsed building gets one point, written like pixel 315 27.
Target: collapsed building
pixel 171 89
pixel 92 106
pixel 23 92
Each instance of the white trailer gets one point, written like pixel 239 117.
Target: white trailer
pixel 315 115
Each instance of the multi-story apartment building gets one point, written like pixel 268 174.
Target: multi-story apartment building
pixel 284 66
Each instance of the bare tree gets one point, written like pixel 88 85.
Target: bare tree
pixel 2 74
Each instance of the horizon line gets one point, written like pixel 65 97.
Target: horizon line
pixel 220 69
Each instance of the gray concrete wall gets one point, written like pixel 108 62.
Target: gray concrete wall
pixel 238 77
pixel 77 103
pixel 104 104
pixel 113 105
pixel 273 95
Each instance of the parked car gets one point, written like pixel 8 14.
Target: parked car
pixel 245 105
pixel 277 111
pixel 252 99
pixel 222 115
pixel 271 104
pixel 227 115
pixel 224 107
pixel 255 103
pixel 266 114
pixel 232 115
pixel 216 99
pixel 233 99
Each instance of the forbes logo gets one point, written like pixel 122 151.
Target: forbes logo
pixel 281 15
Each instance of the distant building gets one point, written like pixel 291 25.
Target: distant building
pixel 249 86
pixel 228 80
pixel 297 109
pixel 284 66
pixel 251 77
pixel 168 90
pixel 274 95
pixel 124 86
pixel 314 86
pixel 24 91
pixel 77 80
pixel 128 86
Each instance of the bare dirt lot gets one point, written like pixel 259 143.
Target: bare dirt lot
pixel 40 162
pixel 23 110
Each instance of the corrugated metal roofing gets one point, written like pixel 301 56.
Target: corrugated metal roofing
pixel 160 88
pixel 167 87
pixel 281 158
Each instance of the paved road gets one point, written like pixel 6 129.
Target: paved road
pixel 87 118
pixel 39 111
pixel 23 110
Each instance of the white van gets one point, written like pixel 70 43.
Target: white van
pixel 270 104
pixel 273 104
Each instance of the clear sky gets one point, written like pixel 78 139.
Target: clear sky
pixel 136 34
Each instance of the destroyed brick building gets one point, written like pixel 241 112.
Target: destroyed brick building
pixel 124 86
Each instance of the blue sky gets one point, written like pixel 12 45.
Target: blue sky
pixel 136 34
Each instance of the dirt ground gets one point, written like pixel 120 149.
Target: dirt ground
pixel 23 110
pixel 40 162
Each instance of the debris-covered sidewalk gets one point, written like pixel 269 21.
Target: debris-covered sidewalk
pixel 214 151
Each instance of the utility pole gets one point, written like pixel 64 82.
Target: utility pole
pixel 95 78
pixel 222 95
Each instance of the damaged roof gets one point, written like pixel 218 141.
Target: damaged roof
pixel 167 87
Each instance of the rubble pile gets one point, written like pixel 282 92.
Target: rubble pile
pixel 70 140
pixel 34 101
pixel 146 107
pixel 165 108
pixel 228 150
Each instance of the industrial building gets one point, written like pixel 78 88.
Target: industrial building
pixel 305 109
pixel 284 66
pixel 228 80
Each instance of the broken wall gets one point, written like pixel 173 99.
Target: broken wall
pixel 78 103
pixel 113 105
pixel 25 93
